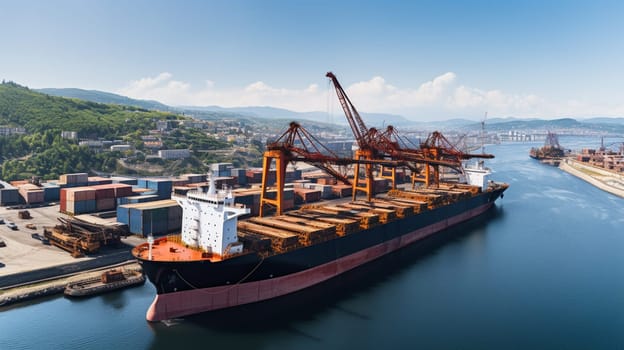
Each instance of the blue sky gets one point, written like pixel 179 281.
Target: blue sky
pixel 424 60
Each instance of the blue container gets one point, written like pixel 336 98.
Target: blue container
pixel 83 207
pixel 51 193
pixel 123 214
pixel 161 186
pixel 142 183
pixel 137 199
pixel 9 196
pixel 144 221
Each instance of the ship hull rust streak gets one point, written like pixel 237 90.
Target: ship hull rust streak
pixel 193 301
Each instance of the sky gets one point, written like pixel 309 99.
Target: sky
pixel 423 60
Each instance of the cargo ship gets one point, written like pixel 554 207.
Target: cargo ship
pixel 219 262
pixel 551 153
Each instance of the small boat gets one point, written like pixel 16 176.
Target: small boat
pixel 108 281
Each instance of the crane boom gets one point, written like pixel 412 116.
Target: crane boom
pixel 360 131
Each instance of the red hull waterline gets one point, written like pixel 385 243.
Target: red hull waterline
pixel 184 303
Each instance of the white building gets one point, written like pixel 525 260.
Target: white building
pixel 174 153
pixel 120 148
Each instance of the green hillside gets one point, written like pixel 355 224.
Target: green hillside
pixel 37 112
pixel 104 97
pixel 41 151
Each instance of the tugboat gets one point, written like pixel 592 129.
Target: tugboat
pixel 108 281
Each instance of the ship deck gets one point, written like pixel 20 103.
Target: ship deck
pixel 313 224
pixel 171 249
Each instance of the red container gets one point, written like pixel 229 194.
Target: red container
pixel 80 193
pixel 305 195
pixel 103 192
pixel 104 204
pixel 342 190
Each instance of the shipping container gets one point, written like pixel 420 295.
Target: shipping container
pixel 194 178
pixel 179 181
pixel 137 199
pixel 162 187
pixel 79 179
pixel 342 190
pixel 98 180
pixel 103 204
pixel 77 193
pixel 157 218
pixel 51 192
pixel 121 190
pixel 79 207
pixel 221 169
pixel 8 194
pixel 306 195
pixel 124 180
pixel 103 192
pixel 123 214
pixel 31 193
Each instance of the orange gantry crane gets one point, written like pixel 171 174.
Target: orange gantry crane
pixel 373 144
pixel 298 145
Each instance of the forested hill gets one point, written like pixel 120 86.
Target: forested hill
pixel 41 151
pixel 105 97
pixel 37 112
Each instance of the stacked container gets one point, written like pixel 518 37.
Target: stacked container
pixel 161 187
pixel 124 180
pixel 51 192
pixel 221 169
pixel 137 199
pixel 8 194
pixel 78 200
pixel 306 195
pixel 248 198
pixel 156 218
pixel 73 180
pixel 240 174
pixel 255 176
pixel 104 197
pixel 31 193
pixel 98 180
pixel 342 190
pixel 194 178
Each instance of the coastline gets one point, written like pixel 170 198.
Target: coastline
pixel 603 179
pixel 54 285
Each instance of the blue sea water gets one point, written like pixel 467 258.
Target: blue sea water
pixel 543 270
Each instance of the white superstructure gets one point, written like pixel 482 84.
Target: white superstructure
pixel 209 220
pixel 477 175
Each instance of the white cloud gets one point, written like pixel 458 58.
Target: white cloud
pixel 439 98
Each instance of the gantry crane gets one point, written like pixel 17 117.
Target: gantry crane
pixel 373 144
pixel 298 145
pixel 364 138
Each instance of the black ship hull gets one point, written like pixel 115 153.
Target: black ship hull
pixel 185 288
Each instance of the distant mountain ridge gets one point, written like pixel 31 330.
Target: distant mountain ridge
pixel 104 97
pixel 378 120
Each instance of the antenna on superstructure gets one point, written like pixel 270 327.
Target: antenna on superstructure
pixel 150 242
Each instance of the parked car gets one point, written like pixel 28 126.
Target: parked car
pixel 1 221
pixel 11 225
pixel 2 244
